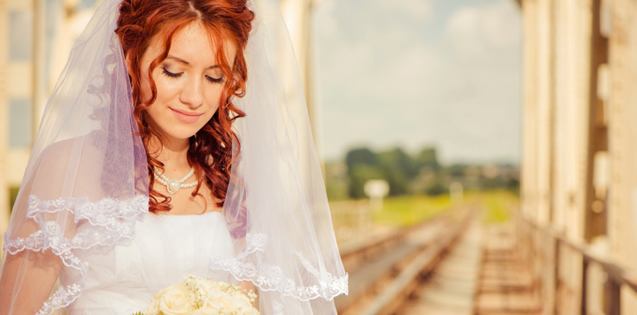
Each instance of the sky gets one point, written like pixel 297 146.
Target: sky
pixel 416 73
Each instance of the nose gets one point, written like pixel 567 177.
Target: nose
pixel 192 93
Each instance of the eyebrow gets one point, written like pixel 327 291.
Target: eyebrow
pixel 186 62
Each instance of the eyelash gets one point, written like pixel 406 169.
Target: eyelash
pixel 177 75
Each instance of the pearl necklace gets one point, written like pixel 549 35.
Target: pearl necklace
pixel 173 185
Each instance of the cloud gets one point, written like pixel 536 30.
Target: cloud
pixel 415 8
pixel 481 30
pixel 385 82
pixel 327 25
pixel 388 63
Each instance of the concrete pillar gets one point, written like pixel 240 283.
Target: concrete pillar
pixel 529 167
pixel 298 18
pixel 622 131
pixel 4 120
pixel 544 109
pixel 580 19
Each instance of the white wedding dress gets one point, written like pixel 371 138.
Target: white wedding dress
pixel 165 249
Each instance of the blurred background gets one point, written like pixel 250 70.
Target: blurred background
pixel 478 155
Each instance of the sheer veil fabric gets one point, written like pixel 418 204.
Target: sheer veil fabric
pixel 86 184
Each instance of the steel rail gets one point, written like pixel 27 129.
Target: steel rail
pixel 387 257
pixel 404 281
pixel 408 281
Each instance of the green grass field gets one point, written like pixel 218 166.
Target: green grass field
pixel 409 210
pixel 497 205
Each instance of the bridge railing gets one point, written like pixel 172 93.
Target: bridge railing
pixel 573 279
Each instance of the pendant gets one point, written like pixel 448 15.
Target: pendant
pixel 172 187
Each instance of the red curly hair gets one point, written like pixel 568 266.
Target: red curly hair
pixel 210 151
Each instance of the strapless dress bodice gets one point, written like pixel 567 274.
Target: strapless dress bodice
pixel 165 249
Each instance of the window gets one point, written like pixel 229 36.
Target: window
pixel 86 4
pixel 19 123
pixel 21 35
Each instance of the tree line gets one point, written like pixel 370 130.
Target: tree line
pixel 407 174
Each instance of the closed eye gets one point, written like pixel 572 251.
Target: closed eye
pixel 177 75
pixel 214 80
pixel 170 74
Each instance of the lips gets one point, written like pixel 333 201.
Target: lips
pixel 186 117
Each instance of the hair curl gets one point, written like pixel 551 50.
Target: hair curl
pixel 210 150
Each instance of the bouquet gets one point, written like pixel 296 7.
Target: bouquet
pixel 197 296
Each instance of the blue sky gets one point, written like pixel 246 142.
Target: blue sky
pixel 413 73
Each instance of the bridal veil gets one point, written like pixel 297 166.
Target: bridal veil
pixel 86 182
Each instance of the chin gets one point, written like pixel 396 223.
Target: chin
pixel 178 130
pixel 182 134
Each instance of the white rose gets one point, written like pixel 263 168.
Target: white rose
pixel 205 312
pixel 207 287
pixel 250 311
pixel 219 301
pixel 213 307
pixel 242 298
pixel 175 300
pixel 153 307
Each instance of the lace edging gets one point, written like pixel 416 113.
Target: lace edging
pixel 111 213
pixel 270 278
pixel 114 215
pixel 256 242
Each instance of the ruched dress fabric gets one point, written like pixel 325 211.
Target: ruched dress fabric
pixel 166 248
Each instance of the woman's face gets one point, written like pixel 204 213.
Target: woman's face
pixel 189 82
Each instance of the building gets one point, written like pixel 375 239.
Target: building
pixel 35 40
pixel 579 167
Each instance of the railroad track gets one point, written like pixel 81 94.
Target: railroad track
pixel 385 274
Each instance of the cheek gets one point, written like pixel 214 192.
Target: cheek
pixel 213 95
pixel 145 88
pixel 166 88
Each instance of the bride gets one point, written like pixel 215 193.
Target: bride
pixel 170 148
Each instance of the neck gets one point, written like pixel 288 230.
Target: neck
pixel 173 153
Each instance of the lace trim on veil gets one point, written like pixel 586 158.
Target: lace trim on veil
pixel 271 278
pixel 114 219
pixel 117 217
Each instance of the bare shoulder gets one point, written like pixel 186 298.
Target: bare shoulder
pixel 60 154
pixel 56 162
